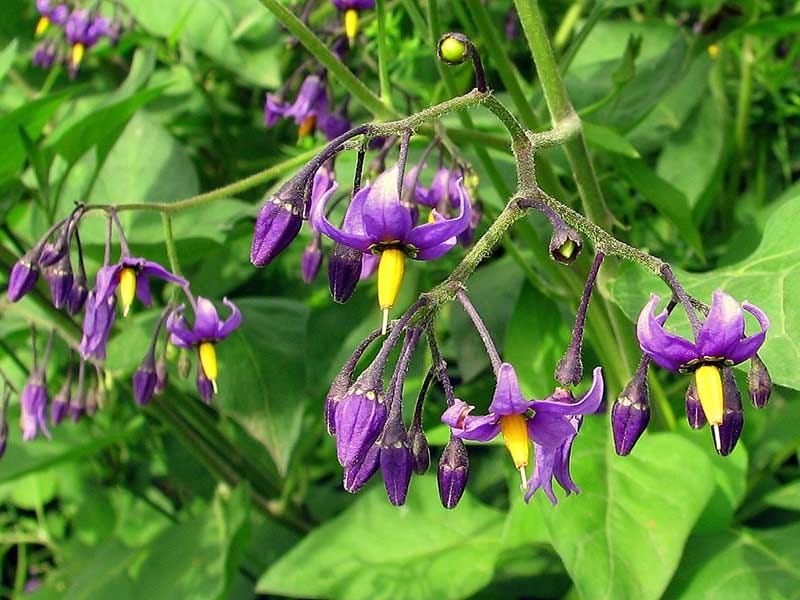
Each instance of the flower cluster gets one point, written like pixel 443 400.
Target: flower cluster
pixel 69 29
pixel 117 286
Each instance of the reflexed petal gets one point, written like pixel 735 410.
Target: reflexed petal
pixel 435 252
pixel 231 322
pixel 587 405
pixel 143 290
pixel 478 429
pixel 206 321
pixel 508 398
pixel 723 328
pixel 308 98
pixel 668 350
pixel 385 218
pixel 153 269
pixel 107 280
pixel 747 347
pixel 542 473
pixel 550 430
pixel 274 109
pixel 180 334
pixel 561 465
pixel 352 237
pixel 432 234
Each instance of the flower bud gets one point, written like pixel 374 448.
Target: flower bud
pixel 311 261
pixel 78 294
pixel 565 245
pixel 360 417
pixel 453 473
pixel 454 48
pixel 33 405
pixel 396 461
pixel 145 380
pixel 184 364
pixel 162 375
pixel 420 451
pixel 694 410
pixel 344 271
pixel 60 404
pixel 759 383
pixel 733 417
pixel 59 276
pixel 23 276
pixel 279 221
pixel 357 475
pixel 630 414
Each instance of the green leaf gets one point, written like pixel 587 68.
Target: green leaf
pixel 374 550
pixel 32 116
pixel 668 200
pixel 262 376
pixel 747 563
pixel 624 535
pixel 777 26
pixel 768 278
pixel 608 139
pixel 7 56
pixel 786 497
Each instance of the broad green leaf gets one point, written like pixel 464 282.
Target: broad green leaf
pixel 262 373
pixel 32 116
pixel 768 278
pixel 787 497
pixel 623 536
pixel 668 200
pixel 608 139
pixel 375 550
pixel 747 563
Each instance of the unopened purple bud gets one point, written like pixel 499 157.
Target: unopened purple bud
pixel 23 277
pixel 630 414
pixel 360 417
pixel 356 476
pixel 694 410
pixel 344 272
pixel 162 375
pixel 204 386
pixel 420 451
pixel 145 380
pixel 77 407
pixel 311 261
pixel 733 417
pixel 60 404
pixel 338 389
pixel 59 14
pixel 59 276
pixel 396 462
pixel 34 405
pixel 565 245
pixel 453 473
pixel 279 221
pixel 77 295
pixel 759 383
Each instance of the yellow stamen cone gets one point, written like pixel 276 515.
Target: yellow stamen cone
pixel 208 362
pixel 708 381
pixel 127 289
pixel 390 275
pixel 351 23
pixel 515 435
pixel 78 51
pixel 42 26
pixel 307 126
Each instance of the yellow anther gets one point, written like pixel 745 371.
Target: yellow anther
pixel 127 289
pixel 42 25
pixel 708 381
pixel 208 362
pixel 78 51
pixel 432 217
pixel 351 23
pixel 307 126
pixel 515 435
pixel 390 275
pixel 713 51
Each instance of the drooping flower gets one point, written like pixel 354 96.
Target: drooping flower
pixel 310 110
pixel 82 31
pixel 208 329
pixel 33 408
pixel 378 222
pixel 720 342
pixel 131 275
pixel 56 15
pixel 351 10
pixel 552 428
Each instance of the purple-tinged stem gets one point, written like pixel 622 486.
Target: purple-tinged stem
pixel 483 331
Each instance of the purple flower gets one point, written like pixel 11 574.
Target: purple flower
pixel 720 342
pixel 60 403
pixel 50 14
pixel 378 222
pixel 208 329
pixel 356 4
pixel 44 55
pixel 97 323
pixel 311 109
pixel 131 276
pixel 351 9
pixel 82 32
pixel 34 405
pixel 552 427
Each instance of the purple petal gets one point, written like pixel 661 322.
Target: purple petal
pixel 385 218
pixel 542 473
pixel 723 328
pixel 478 429
pixel 153 269
pixel 435 252
pixel 668 350
pixel 744 349
pixel 587 405
pixel 352 237
pixel 309 99
pixel 180 334
pixel 369 264
pixel 143 290
pixel 231 322
pixel 508 398
pixel 274 109
pixel 433 234
pixel 206 321
pixel 333 125
pixel 561 466
pixel 550 430
pixel 107 280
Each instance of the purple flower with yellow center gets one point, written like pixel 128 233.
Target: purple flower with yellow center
pixel 131 275
pixel 310 110
pixel 208 329
pixel 50 14
pixel 351 10
pixel 720 342
pixel 83 31
pixel 551 425
pixel 378 222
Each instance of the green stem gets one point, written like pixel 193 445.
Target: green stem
pixel 560 107
pixel 169 242
pixel 336 68
pixel 383 54
pixel 571 17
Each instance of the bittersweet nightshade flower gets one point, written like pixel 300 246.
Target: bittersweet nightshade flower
pixel 44 55
pixel 351 10
pixel 631 412
pixel 553 462
pixel 720 342
pixel 33 407
pixel 208 329
pixel 131 275
pixel 311 110
pixel 97 323
pixel 56 15
pixel 381 224
pixel 453 473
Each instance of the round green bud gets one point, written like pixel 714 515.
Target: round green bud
pixel 454 48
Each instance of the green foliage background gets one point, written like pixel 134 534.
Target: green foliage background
pixel 695 151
